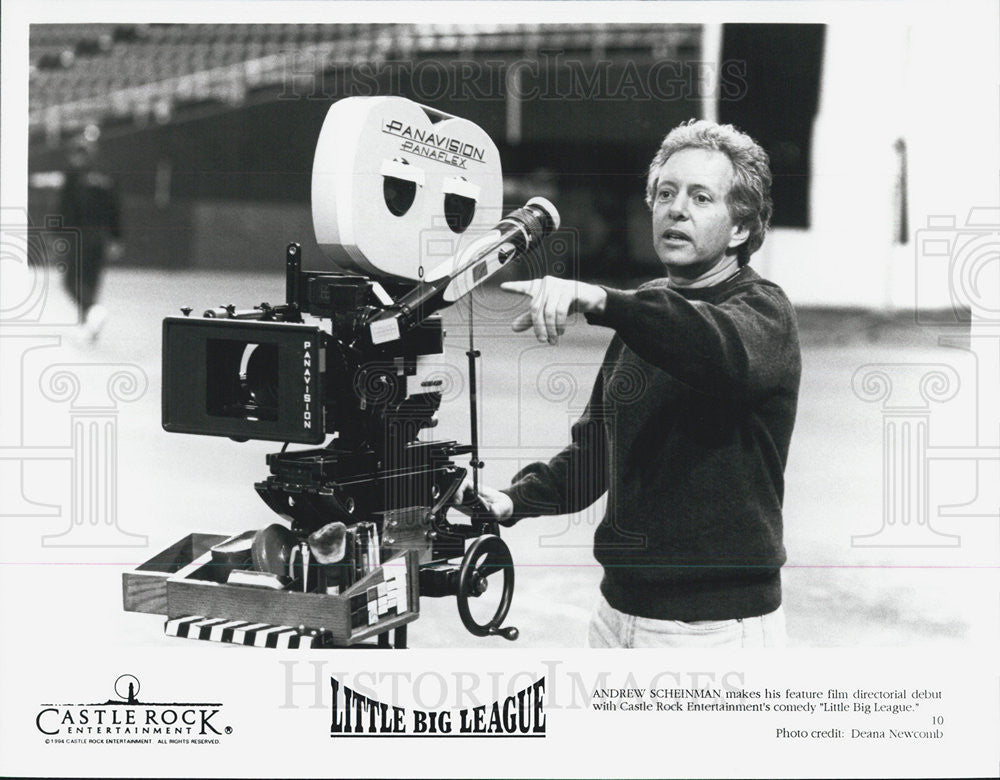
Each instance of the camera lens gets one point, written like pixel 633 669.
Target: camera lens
pixel 262 376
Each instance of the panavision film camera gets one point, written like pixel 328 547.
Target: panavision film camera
pixel 407 203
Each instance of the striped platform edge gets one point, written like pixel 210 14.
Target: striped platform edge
pixel 240 632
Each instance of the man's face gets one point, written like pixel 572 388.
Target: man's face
pixel 692 228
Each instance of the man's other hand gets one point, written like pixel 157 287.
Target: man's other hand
pixel 552 301
pixel 496 503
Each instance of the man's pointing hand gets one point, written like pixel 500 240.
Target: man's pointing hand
pixel 552 301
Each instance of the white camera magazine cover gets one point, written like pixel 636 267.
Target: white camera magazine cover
pixel 161 620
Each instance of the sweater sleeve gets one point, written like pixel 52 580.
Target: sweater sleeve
pixel 575 478
pixel 733 348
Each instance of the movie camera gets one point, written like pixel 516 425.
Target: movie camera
pixel 343 358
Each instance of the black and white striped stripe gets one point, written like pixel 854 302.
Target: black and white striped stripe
pixel 242 632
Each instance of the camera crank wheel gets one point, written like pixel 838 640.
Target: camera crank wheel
pixel 486 556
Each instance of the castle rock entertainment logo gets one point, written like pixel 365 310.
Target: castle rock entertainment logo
pixel 126 719
pixel 357 715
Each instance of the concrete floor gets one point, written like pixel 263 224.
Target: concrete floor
pixel 836 592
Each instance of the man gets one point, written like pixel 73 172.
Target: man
pixel 688 425
pixel 89 203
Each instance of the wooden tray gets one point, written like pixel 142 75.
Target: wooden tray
pixel 145 588
pixel 385 599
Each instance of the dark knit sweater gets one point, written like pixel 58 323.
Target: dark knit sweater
pixel 687 430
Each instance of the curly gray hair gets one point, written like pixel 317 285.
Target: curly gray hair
pixel 749 199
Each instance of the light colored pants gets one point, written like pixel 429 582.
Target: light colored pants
pixel 611 628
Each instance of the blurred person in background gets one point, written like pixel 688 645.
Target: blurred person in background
pixel 88 203
pixel 689 422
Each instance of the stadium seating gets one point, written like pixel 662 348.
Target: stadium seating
pixel 87 73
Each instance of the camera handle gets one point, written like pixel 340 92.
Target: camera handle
pixel 487 555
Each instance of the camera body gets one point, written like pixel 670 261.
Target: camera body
pixel 337 366
pixel 265 374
